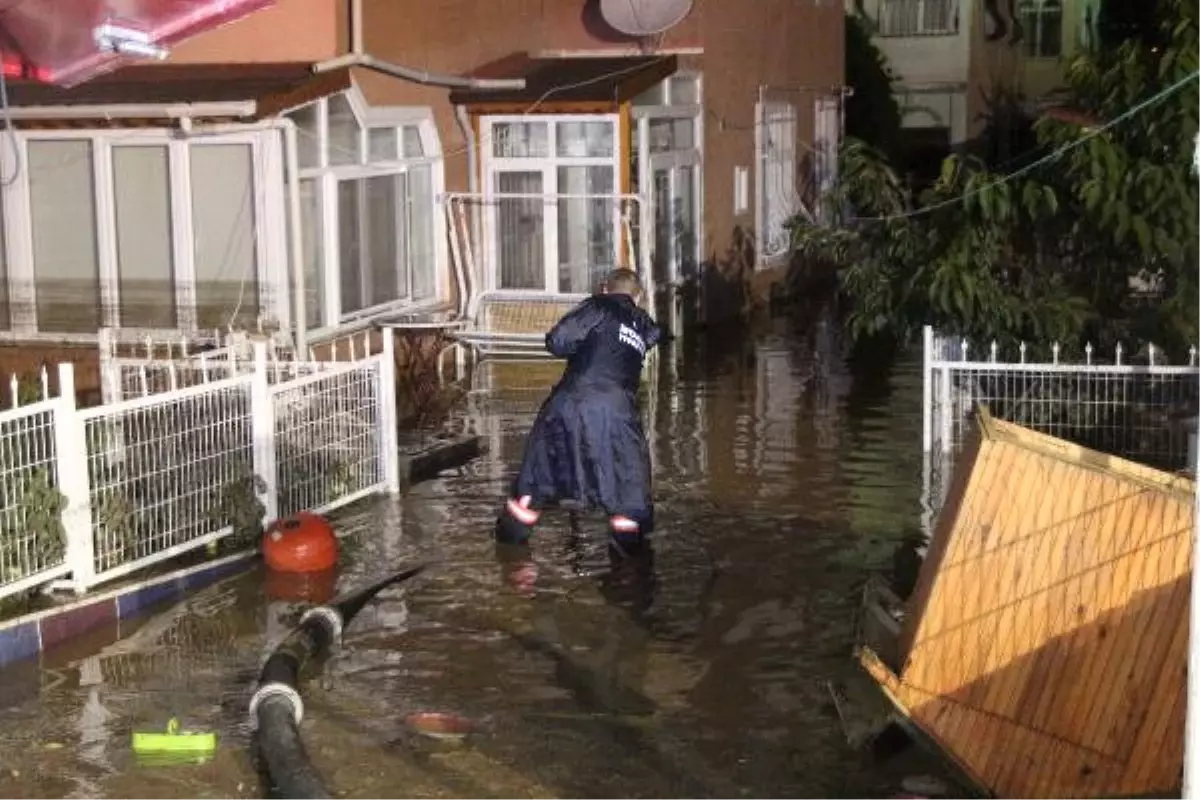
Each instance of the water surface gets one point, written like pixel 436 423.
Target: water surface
pixel 782 476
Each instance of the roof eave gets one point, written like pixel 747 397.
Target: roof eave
pixel 241 109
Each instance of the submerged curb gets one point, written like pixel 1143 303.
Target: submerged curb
pixel 28 635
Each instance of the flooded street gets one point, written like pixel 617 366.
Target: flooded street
pixel 781 478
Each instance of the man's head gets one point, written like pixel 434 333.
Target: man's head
pixel 623 281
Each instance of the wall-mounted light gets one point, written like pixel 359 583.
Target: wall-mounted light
pixel 127 42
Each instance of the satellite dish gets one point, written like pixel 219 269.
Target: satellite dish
pixel 644 17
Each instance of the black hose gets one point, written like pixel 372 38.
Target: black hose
pixel 276 707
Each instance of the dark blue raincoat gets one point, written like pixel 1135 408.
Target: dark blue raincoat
pixel 587 444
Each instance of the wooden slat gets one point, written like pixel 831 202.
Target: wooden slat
pixel 1043 647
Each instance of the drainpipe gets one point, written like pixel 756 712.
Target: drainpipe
pixel 291 155
pixel 464 124
pixel 358 57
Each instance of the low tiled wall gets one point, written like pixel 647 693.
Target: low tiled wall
pixel 26 636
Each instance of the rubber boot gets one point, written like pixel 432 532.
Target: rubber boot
pixel 516 521
pixel 629 531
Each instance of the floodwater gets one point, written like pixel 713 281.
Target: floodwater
pixel 781 478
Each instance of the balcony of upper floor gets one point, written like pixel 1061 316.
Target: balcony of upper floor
pixel 899 19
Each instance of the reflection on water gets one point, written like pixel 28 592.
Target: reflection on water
pixel 699 669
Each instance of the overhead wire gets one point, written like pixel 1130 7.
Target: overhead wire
pixel 1053 155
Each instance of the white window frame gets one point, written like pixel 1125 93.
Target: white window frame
pixel 1035 12
pixel 269 231
pixel 894 16
pixel 548 166
pixel 326 178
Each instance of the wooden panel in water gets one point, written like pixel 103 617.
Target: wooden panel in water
pixel 1047 635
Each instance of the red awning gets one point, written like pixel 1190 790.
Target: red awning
pixel 54 41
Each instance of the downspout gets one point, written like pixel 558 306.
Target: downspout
pixel 358 57
pixel 464 124
pixel 300 299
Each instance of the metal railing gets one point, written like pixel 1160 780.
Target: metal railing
pixel 102 492
pixel 896 18
pixel 1137 407
pixel 477 246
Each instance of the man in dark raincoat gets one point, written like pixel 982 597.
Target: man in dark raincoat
pixel 587 445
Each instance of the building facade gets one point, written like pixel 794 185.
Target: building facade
pixel 298 169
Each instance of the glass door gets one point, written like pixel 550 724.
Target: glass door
pixel 675 247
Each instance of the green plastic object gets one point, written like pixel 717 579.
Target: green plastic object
pixel 175 741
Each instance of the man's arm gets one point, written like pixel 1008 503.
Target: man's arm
pixel 569 332
pixel 653 333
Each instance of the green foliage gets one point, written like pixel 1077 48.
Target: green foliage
pixel 1048 253
pixel 240 507
pixel 31 529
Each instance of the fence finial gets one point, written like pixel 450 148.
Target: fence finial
pixel 1054 352
pixel 1022 352
pixel 1118 352
pixel 995 351
pixel 1192 356
pixel 1150 352
pixel 1087 352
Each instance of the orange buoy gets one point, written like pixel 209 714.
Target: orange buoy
pixel 317 588
pixel 303 542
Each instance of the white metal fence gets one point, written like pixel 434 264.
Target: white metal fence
pixel 100 492
pixel 1138 406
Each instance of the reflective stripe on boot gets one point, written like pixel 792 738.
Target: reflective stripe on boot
pixel 520 509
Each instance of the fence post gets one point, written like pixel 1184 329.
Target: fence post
pixel 262 426
pixel 389 445
pixel 1191 735
pixel 71 458
pixel 927 391
pixel 110 373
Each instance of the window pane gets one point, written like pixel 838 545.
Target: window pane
pixel 62 198
pixel 343 132
pixel 413 147
pixel 1051 32
pixel 654 96
pixel 685 221
pixel 308 141
pixel 350 241
pixel 370 242
pixel 585 228
pixel 422 254
pixel 145 262
pixel 585 139
pixel 223 225
pixel 312 240
pixel 683 134
pixel 672 134
pixel 661 135
pixel 383 144
pixel 685 91
pixel 389 257
pixel 520 140
pixel 520 228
